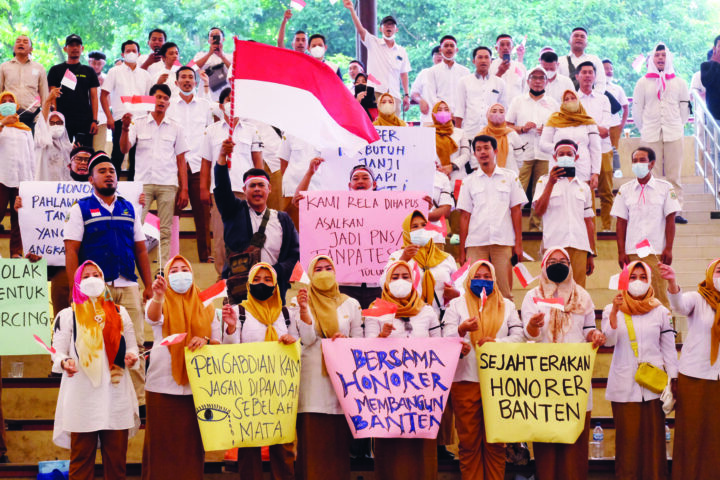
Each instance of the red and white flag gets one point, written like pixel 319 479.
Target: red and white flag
pixel 523 275
pixel 556 303
pixel 297 4
pixel 381 309
pixel 374 80
pixel 299 275
pixel 458 278
pixel 139 103
pixel 193 65
pixel 441 229
pixel 644 248
pixel 638 62
pixel 151 227
pixel 299 95
pixel 417 275
pixel 69 80
pixel 483 299
pixel 50 350
pixel 620 281
pixel 173 339
pixel 218 290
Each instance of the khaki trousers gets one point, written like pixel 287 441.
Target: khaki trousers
pixel 578 263
pixel 659 284
pixel 164 196
pixel 668 162
pixel 100 138
pixel 530 173
pixel 282 462
pixel 499 256
pixel 113 447
pixel 201 215
pixel 129 297
pixel 275 197
pixel 605 190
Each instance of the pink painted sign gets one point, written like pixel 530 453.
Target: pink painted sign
pixel 392 387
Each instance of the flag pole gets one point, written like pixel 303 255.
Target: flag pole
pixel 159 257
pixel 232 102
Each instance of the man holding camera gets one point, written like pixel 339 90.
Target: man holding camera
pixel 151 62
pixel 215 62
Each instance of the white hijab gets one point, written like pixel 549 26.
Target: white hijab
pixel 668 73
pixel 52 154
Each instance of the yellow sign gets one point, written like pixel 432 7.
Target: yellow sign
pixel 535 392
pixel 245 395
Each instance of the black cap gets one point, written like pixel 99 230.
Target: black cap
pixel 387 19
pixel 73 39
pixel 99 157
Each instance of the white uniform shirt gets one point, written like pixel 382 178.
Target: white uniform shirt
pixel 17 150
pixel 474 97
pixel 645 209
pixel 587 139
pixel 696 84
pixel 511 331
pixel 298 154
pixel 461 156
pixel 442 195
pixel 155 74
pixel 157 149
pixel 600 79
pixel 211 62
pixel 442 84
pixel 524 109
pixel 273 230
pixel 193 117
pixel 424 324
pixel 557 87
pixel 597 105
pixel 655 339
pixel 516 147
pixel 122 81
pixel 271 142
pixel 488 200
pixel 564 220
pixel 667 115
pixel 619 94
pixel 514 78
pixel 247 140
pixel 419 87
pixel 695 354
pixel 253 330
pixel 386 64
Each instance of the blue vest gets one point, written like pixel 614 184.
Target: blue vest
pixel 108 239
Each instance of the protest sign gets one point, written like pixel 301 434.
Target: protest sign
pixel 535 392
pixel 357 229
pixel 24 307
pixel 403 159
pixel 392 387
pixel 44 208
pixel 245 395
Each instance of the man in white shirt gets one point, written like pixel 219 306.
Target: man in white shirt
pixel 597 105
pixel 645 209
pixel 477 93
pixel 661 107
pixel 295 157
pixel 619 118
pixel 565 205
pixel 527 116
pixel 442 79
pixel 318 49
pixel 511 71
pixel 490 203
pixel 194 115
pixel 570 63
pixel 156 39
pixel 417 91
pixel 215 62
pixel 97 61
pixel 124 80
pixel 161 167
pixel 557 82
pixel 388 62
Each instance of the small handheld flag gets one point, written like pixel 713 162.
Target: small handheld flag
pixel 218 290
pixel 173 339
pixel 50 350
pixel 644 248
pixel 69 80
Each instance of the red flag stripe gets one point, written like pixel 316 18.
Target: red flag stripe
pixel 213 291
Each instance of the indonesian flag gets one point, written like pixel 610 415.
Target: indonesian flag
pixel 417 275
pixel 456 191
pixel 382 310
pixel 218 290
pixel 297 4
pixel 644 248
pixel 151 227
pixel 483 299
pixel 299 275
pixel 139 103
pixel 374 80
pixel 441 229
pixel 523 275
pixel 50 350
pixel 458 278
pixel 69 80
pixel 620 281
pixel 556 303
pixel 299 95
pixel 193 65
pixel 173 339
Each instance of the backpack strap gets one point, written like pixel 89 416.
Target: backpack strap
pixel 286 315
pixel 631 333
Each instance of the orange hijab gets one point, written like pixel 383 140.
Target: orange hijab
pixel 391 120
pixel 706 289
pixel 499 133
pixel 407 307
pixel 20 125
pixel 445 146
pixel 639 306
pixel 566 118
pixel 492 314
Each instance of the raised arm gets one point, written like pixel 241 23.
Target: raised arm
pixel 358 26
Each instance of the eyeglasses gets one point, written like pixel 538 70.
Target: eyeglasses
pixel 537 77
pixel 555 262
pixel 81 159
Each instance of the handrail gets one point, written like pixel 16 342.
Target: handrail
pixel 707 149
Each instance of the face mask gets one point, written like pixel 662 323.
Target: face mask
pixel 187 94
pixel 572 106
pixel 391 37
pixel 386 108
pixel 638 288
pixel 93 287
pixel 420 237
pixel 443 117
pixel 496 118
pixel 450 58
pixel 566 161
pixel 7 109
pixel 551 74
pixel 477 285
pixel 557 272
pixel 107 191
pixel 640 170
pixel 130 57
pixel 400 288
pixel 537 93
pixel 261 292
pixel 716 282
pixel 79 178
pixel 180 282
pixel 57 130
pixel 317 52
pixel 324 280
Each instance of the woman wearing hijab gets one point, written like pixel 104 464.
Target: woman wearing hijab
pixel 52 144
pixel 451 144
pixel 573 123
pixel 175 308
pixel 386 112
pixel 94 343
pixel 261 318
pixel 404 458
pixel 507 138
pixel 637 322
pixel 697 423
pixel 17 149
pixel 480 315
pixel 436 266
pixel 323 433
pixel 574 324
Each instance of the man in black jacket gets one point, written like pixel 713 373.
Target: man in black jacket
pixel 710 77
pixel 243 218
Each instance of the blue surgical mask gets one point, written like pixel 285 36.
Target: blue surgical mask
pixel 477 285
pixel 640 169
pixel 420 237
pixel 566 161
pixel 180 282
pixel 7 109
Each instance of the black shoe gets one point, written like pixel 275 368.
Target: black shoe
pixel 443 454
pixel 4 459
pixel 142 411
pixel 680 219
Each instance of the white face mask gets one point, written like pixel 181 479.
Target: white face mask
pixel 400 288
pixel 638 288
pixel 93 287
pixel 57 130
pixel 130 57
pixel 317 51
pixel 180 281
pixel 450 58
pixel 386 108
pixel 391 37
pixel 565 161
pixel 716 282
pixel 420 237
pixel 551 74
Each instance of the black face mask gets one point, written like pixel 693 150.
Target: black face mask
pixel 536 93
pixel 107 191
pixel 557 272
pixel 261 292
pixel 79 178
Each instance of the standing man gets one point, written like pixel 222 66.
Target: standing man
pixel 26 79
pixel 512 72
pixel 490 203
pixel 388 62
pixel 78 100
pixel 156 39
pixel 570 63
pixel 527 116
pixel 661 108
pixel 162 169
pixel 105 228
pixel 443 78
pixel 557 82
pixel 620 117
pixel 645 209
pixel 710 79
pixel 318 49
pixel 215 62
pixel 97 60
pixel 124 80
pixel 299 41
pixel 477 93
pixel 418 89
pixel 565 205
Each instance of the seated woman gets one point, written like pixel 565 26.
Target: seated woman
pixel 386 113
pixel 94 342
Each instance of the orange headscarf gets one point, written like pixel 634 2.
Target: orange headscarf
pixel 407 307
pixel 17 124
pixel 391 120
pixel 264 311
pixel 445 146
pixel 565 118
pixel 499 133
pixel 706 289
pixel 639 306
pixel 427 257
pixel 492 314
